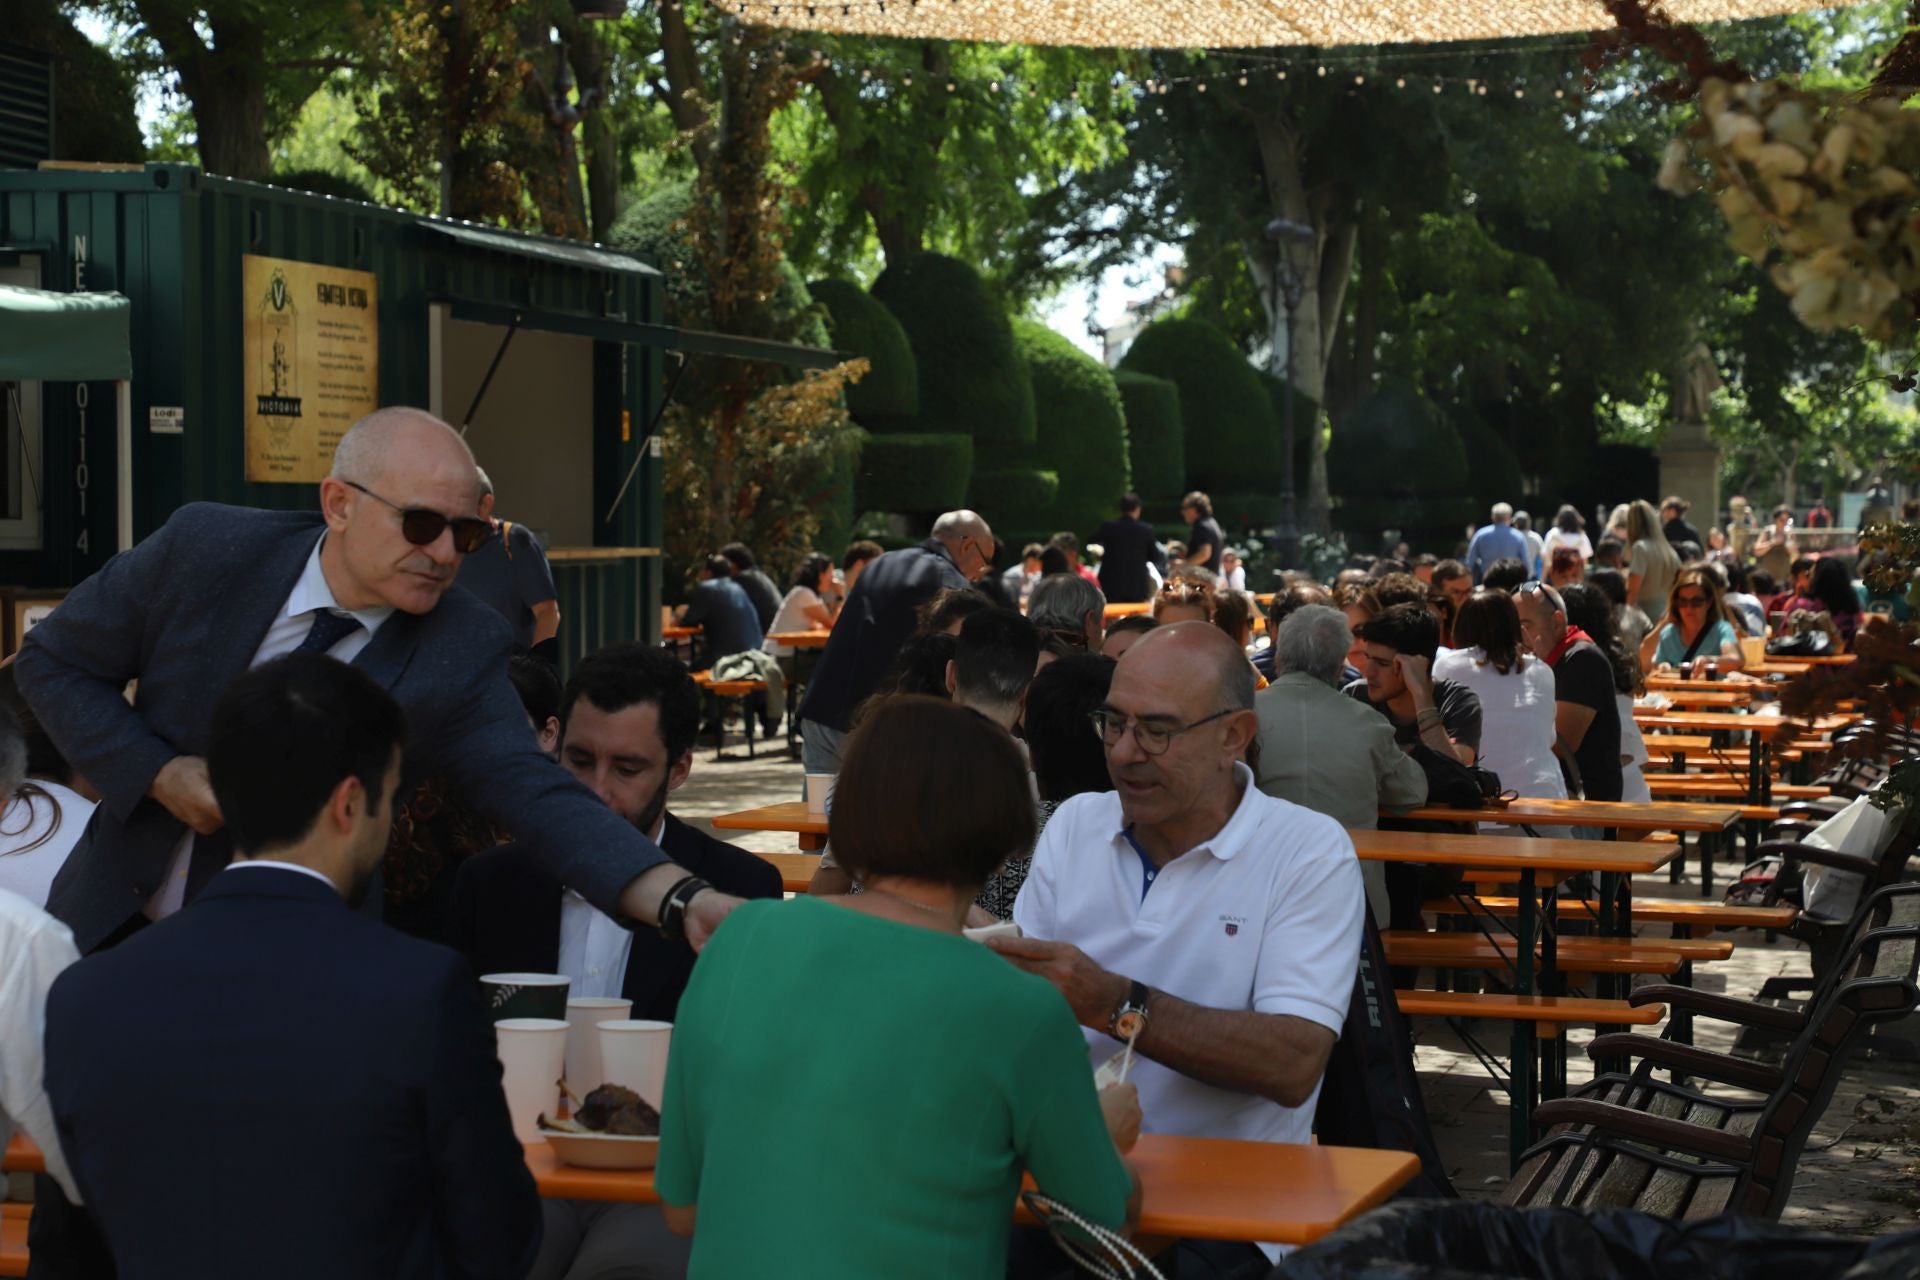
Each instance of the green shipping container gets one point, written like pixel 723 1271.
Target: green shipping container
pixel 561 426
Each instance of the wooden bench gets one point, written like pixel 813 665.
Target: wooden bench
pixel 796 869
pixel 1704 916
pixel 1408 949
pixel 1689 785
pixel 723 691
pixel 1549 1014
pixel 1634 1141
pixel 13 1238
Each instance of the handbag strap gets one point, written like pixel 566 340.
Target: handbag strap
pixel 1706 629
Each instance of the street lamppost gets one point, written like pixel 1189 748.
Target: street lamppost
pixel 1288 285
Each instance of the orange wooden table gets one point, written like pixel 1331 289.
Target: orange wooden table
pixel 1700 693
pixel 22 1156
pixel 814 638
pixel 1128 610
pixel 1195 1188
pixel 1617 815
pixel 671 634
pixel 796 869
pixel 790 815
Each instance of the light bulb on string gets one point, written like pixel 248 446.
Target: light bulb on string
pixel 1359 79
pixel 1321 70
pixel 1243 80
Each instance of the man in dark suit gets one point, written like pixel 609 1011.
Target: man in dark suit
pixel 876 620
pixel 628 722
pixel 629 717
pixel 1127 547
pixel 368 580
pixel 269 1083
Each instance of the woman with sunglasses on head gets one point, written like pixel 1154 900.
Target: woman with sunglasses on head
pixel 1695 628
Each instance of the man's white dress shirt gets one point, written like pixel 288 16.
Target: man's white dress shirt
pixel 290 626
pixel 593 946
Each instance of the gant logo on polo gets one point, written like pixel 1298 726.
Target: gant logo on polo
pixel 1232 924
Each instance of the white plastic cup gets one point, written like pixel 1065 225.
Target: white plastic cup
pixel 584 1016
pixel 533 1051
pixel 819 792
pixel 633 1054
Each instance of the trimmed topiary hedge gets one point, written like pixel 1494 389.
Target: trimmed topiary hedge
pixel 1306 425
pixel 972 379
pixel 914 473
pixel 1156 441
pixel 835 500
pixel 1081 430
pixel 1396 462
pixel 1232 440
pixel 1493 472
pixel 888 398
pixel 1015 500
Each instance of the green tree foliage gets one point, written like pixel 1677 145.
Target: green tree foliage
pixel 661 227
pixel 972 380
pixel 1156 440
pixel 1081 432
pixel 93 108
pixel 927 144
pixel 1232 441
pixel 888 398
pixel 1398 464
pixel 245 66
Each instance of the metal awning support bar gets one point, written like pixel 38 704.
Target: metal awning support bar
pixel 513 327
pixel 615 329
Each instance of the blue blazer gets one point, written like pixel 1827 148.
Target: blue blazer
pixel 270 1084
pixel 183 613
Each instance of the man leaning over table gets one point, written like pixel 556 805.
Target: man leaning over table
pixel 1221 922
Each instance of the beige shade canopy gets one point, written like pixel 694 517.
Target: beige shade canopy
pixel 1214 24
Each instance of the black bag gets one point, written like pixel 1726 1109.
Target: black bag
pixel 1808 644
pixel 1456 785
pixel 1370 1093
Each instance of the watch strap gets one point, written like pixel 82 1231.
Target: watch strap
pixel 673 907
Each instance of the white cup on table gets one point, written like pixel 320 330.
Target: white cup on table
pixel 633 1054
pixel 584 1016
pixel 819 792
pixel 533 1053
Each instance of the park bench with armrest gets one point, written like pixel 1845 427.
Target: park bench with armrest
pixel 1631 1141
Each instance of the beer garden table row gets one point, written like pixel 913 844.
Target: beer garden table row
pixel 1537 864
pixel 1203 1188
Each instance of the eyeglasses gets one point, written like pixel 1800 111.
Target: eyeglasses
pixel 1152 739
pixel 1690 602
pixel 422 526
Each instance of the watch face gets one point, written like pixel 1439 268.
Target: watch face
pixel 1129 1024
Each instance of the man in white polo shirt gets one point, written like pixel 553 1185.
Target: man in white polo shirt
pixel 1218 924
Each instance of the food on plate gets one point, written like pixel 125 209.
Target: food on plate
pixel 609 1109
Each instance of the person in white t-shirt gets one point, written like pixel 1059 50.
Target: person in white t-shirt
pixel 46 807
pixel 804 606
pixel 1220 925
pixel 1569 530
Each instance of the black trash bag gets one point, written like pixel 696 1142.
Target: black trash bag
pixel 1454 1240
pixel 1370 1092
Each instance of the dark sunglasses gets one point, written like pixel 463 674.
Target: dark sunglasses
pixel 423 527
pixel 1689 602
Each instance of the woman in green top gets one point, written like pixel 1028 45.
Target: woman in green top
pixel 855 1086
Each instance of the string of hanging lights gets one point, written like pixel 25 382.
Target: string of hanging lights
pixel 1197 24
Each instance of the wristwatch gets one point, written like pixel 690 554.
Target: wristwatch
pixel 673 907
pixel 1129 1019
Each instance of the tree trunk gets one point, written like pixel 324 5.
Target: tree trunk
pixel 1321 265
pixel 226 83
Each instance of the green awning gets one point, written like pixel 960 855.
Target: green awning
pixel 63 337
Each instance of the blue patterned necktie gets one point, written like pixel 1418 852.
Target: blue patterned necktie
pixel 329 629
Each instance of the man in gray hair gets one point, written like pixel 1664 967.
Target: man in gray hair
pixel 1068 606
pixel 1316 752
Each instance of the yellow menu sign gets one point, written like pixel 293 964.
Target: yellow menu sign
pixel 312 364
